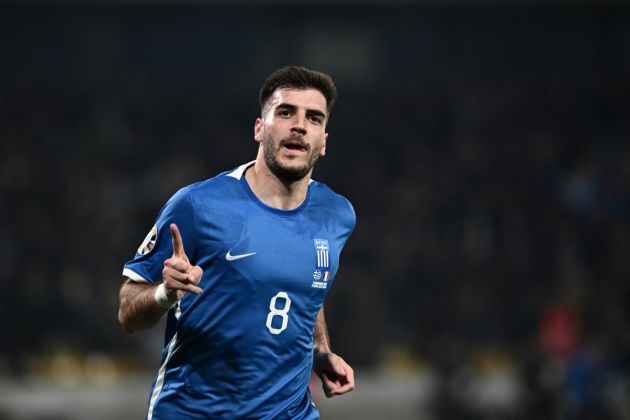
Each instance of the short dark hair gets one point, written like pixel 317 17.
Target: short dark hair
pixel 297 77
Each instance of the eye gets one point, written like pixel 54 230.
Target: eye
pixel 316 119
pixel 284 113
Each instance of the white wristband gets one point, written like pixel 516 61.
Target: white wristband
pixel 162 299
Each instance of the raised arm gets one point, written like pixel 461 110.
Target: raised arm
pixel 142 305
pixel 336 375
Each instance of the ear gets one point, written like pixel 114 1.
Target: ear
pixel 322 151
pixel 259 128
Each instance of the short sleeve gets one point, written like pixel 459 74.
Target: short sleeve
pixel 347 219
pixel 157 246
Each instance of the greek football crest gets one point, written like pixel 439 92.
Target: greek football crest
pixel 149 242
pixel 322 265
pixel 321 247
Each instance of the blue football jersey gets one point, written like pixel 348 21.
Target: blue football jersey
pixel 243 349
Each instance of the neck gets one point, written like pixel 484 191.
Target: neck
pixel 273 191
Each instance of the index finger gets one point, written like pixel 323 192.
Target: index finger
pixel 178 243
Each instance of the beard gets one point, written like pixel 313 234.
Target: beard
pixel 282 172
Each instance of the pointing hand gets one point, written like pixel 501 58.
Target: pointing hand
pixel 179 275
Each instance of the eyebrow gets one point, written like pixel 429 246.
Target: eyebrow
pixel 292 107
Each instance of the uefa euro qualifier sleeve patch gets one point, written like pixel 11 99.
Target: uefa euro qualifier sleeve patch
pixel 149 242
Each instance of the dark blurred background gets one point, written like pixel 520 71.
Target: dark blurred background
pixel 484 145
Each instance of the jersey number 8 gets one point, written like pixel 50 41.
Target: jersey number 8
pixel 282 313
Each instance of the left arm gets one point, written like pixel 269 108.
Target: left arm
pixel 336 375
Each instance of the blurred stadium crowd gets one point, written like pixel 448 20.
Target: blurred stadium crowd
pixel 486 151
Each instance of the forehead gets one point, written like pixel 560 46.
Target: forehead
pixel 303 98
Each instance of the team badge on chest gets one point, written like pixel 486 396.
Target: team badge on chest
pixel 321 275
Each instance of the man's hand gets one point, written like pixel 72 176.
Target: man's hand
pixel 179 275
pixel 138 309
pixel 336 375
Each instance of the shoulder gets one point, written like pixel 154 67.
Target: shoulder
pixel 222 185
pixel 324 197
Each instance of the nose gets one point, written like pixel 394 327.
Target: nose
pixel 299 125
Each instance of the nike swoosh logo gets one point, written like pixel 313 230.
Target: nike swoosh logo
pixel 231 257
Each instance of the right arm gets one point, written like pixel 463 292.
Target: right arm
pixel 142 305
pixel 138 308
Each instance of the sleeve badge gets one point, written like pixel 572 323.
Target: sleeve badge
pixel 149 242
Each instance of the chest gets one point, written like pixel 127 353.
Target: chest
pixel 263 252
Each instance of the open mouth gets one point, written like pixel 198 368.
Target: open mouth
pixel 294 146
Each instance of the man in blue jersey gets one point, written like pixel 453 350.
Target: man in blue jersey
pixel 241 263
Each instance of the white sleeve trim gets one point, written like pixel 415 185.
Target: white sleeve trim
pixel 134 276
